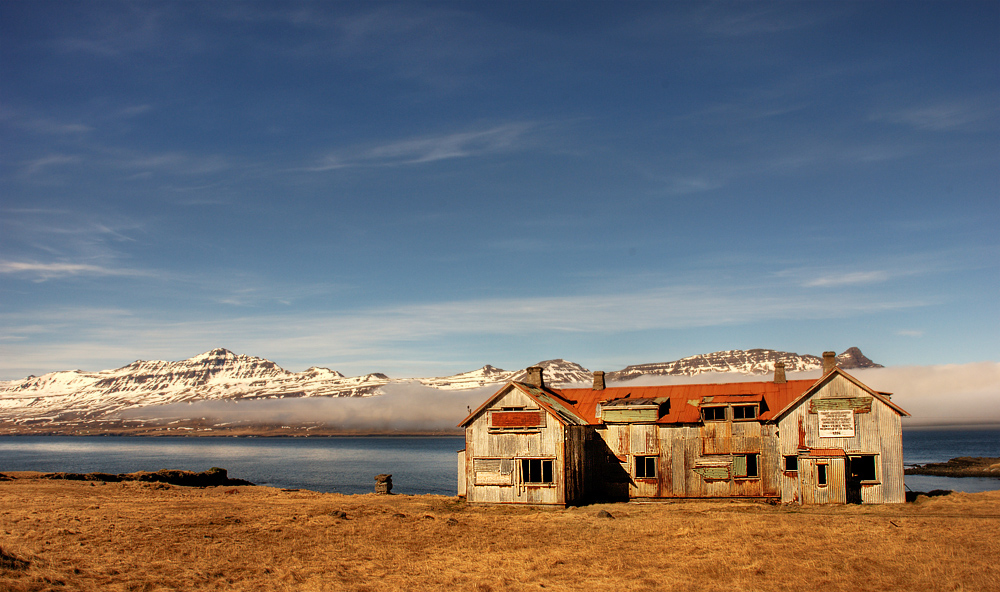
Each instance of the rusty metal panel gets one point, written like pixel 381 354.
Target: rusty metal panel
pixel 716 437
pixel 644 439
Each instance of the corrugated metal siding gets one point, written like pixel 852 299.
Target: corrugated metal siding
pixel 877 432
pixel 548 442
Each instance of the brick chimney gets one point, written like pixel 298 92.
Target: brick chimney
pixel 535 376
pixel 829 361
pixel 599 380
pixel 779 373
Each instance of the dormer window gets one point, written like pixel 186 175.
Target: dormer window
pixel 713 413
pixel 744 412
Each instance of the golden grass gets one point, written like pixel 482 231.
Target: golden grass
pixel 148 537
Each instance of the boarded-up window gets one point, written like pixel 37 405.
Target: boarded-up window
pixel 517 420
pixel 536 470
pixel 645 467
pixel 494 471
pixel 713 472
pixel 745 466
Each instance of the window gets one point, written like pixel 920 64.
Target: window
pixel 744 412
pixel 536 470
pixel 863 468
pixel 821 475
pixel 745 466
pixel 713 413
pixel 645 467
pixel 791 463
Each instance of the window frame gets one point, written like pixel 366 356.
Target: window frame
pixel 753 407
pixel 645 461
pixel 746 475
pixel 714 408
pixel 790 457
pixel 824 473
pixel 524 477
pixel 874 467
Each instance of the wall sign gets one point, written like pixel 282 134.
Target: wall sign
pixel 836 423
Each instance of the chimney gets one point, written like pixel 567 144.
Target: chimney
pixel 599 380
pixel 779 373
pixel 535 376
pixel 829 361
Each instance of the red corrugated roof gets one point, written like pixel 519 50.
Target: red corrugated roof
pixel 685 399
pixel 575 404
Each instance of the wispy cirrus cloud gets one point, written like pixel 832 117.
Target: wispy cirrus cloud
pixel 853 278
pixel 46 271
pixel 943 116
pixel 426 149
pixel 393 333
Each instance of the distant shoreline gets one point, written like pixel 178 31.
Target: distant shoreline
pixel 963 466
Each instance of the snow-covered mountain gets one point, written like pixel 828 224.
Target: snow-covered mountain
pixel 751 361
pixel 216 374
pixel 220 374
pixel 557 372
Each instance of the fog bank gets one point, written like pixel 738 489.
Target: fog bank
pixel 966 396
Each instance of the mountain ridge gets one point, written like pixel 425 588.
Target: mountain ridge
pixel 221 375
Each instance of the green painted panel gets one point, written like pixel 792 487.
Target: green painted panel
pixel 713 472
pixel 740 466
pixel 858 404
pixel 629 415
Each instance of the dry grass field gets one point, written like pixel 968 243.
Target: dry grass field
pixel 63 535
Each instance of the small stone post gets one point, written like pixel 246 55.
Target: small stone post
pixel 383 484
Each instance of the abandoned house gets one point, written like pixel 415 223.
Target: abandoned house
pixel 832 440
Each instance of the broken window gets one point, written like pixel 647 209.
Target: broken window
pixel 645 467
pixel 863 468
pixel 536 470
pixel 744 412
pixel 791 463
pixel 745 466
pixel 821 475
pixel 713 413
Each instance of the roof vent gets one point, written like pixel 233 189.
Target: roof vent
pixel 535 376
pixel 829 361
pixel 779 373
pixel 599 380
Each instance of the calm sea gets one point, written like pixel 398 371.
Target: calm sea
pixel 349 464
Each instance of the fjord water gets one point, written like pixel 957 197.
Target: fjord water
pixel 349 464
pixel 336 464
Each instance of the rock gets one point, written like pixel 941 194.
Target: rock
pixel 604 514
pixel 383 484
pixel 339 514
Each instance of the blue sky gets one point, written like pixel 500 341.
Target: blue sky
pixel 424 188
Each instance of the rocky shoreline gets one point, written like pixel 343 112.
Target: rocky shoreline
pixel 963 466
pixel 214 477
